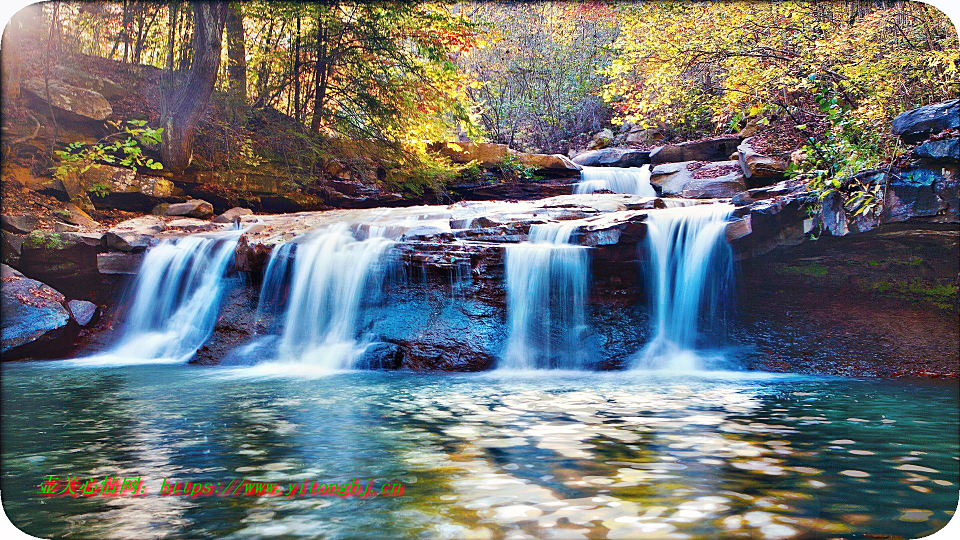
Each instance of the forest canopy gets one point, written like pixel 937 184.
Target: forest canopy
pixel 539 76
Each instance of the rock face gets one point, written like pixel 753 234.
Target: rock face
pixel 33 314
pixel 194 208
pixel 134 234
pixel 613 157
pixel 918 124
pixel 126 189
pixel 232 215
pixel 18 224
pixel 697 180
pixel 548 162
pixel 488 154
pixel 759 170
pixel 83 79
pixel 944 149
pixel 64 259
pixel 118 263
pixel 715 149
pixel 79 102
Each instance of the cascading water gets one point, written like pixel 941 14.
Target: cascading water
pixel 546 296
pixel 689 274
pixel 332 276
pixel 175 299
pixel 633 180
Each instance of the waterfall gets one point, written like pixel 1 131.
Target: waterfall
pixel 175 299
pixel 689 275
pixel 331 278
pixel 631 180
pixel 546 296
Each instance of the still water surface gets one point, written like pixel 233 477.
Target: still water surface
pixel 540 455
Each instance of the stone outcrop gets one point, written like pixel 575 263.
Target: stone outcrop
pixel 119 263
pixel 134 234
pixel 232 215
pixel 613 157
pixel 65 259
pixel 194 208
pixel 758 169
pixel 19 224
pixel 33 314
pixel 126 189
pixel 79 103
pixel 939 150
pixel 697 180
pixel 713 149
pixel 918 124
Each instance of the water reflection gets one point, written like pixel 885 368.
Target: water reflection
pixel 563 455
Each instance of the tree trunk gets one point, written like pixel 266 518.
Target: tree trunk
pixel 173 8
pixel 321 75
pixel 237 62
pixel 296 73
pixel 12 62
pixel 183 106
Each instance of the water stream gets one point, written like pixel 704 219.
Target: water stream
pixel 546 282
pixel 633 180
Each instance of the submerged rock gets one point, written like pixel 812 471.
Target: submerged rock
pixel 33 315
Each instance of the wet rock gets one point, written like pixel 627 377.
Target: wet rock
pixel 944 149
pixel 79 103
pixel 119 263
pixel 450 354
pixel 232 215
pixel 194 208
pixel 18 224
pixel 134 234
pixel 613 157
pixel 918 124
pixel 379 355
pixel 716 149
pixel 758 169
pixel 833 217
pixel 33 315
pixel 83 312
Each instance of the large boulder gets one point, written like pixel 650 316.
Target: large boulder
pixel 914 193
pixel 78 103
pixel 941 150
pixel 696 180
pixel 134 234
pixel 918 124
pixel 548 162
pixel 33 314
pixel 759 170
pixel 613 157
pixel 119 263
pixel 125 189
pixel 90 81
pixel 194 208
pixel 21 224
pixel 715 149
pixel 488 154
pixel 63 259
